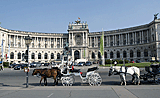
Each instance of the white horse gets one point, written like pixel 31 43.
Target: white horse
pixel 122 71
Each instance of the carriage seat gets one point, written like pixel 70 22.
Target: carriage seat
pixel 75 70
pixel 92 69
pixel 155 68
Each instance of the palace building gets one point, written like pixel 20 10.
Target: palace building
pixel 134 43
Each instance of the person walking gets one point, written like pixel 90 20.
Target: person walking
pixel 115 63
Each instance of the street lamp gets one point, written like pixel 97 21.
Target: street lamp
pixel 28 40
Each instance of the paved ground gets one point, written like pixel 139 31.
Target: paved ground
pixel 12 85
pixel 142 91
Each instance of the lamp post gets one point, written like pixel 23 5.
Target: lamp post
pixel 28 40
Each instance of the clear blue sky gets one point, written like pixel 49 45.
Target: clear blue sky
pixel 53 16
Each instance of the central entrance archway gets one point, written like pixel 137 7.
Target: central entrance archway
pixel 76 55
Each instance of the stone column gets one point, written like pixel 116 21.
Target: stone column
pixel 14 41
pixel 119 40
pixel 128 39
pixel 62 42
pixel 109 41
pixel 72 39
pixel 56 42
pixel 86 39
pixel 113 40
pixel 83 38
pixel 90 41
pixel 142 37
pixel 135 38
pixel 21 41
pixel 147 36
pixel 94 41
pixel 81 54
pixel 69 40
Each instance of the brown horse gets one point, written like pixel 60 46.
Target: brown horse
pixel 48 73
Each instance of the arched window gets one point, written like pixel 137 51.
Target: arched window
pixel 12 55
pixel 124 54
pixel 52 55
pixel 76 55
pixel 93 55
pixel 145 53
pixel 45 56
pixel 105 54
pixel 19 55
pixel 23 56
pixel 99 55
pixel 118 54
pixel 39 55
pixel 131 53
pixel 79 39
pixel 138 53
pixel 33 56
pixel 58 55
pixel 111 54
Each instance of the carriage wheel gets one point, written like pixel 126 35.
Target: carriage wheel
pixel 157 79
pixel 67 81
pixel 95 79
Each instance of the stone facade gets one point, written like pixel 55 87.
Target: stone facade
pixel 135 43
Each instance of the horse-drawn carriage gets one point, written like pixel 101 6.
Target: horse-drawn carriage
pixel 92 77
pixel 67 75
pixel 152 73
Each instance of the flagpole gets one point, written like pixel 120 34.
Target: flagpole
pixel 103 48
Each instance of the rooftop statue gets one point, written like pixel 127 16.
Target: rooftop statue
pixel 78 21
pixel 155 16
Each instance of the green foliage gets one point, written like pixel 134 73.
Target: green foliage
pixel 126 61
pixel 120 61
pixel 108 61
pixel 140 65
pixel 6 64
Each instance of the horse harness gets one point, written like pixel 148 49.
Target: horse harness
pixel 125 72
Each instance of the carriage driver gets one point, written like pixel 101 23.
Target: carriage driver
pixel 69 64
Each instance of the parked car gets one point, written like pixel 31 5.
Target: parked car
pixel 81 63
pixel 138 61
pixel 24 65
pixel 46 64
pixel 42 64
pixel 157 60
pixel 12 65
pixel 75 64
pixel 18 67
pixel 88 63
pixel 94 62
pixel 35 64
